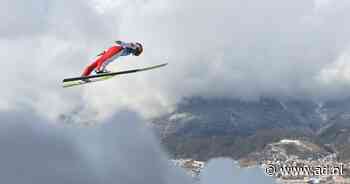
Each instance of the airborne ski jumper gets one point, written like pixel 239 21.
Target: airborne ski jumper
pixel 103 59
pixel 120 48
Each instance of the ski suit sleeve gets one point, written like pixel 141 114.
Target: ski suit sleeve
pixel 126 45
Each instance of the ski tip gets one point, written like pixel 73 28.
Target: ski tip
pixel 160 65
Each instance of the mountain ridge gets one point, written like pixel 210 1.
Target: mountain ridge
pixel 202 128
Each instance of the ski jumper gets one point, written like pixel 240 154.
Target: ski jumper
pixel 107 56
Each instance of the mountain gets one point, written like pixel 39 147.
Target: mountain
pixel 202 128
pixel 336 133
pixel 287 150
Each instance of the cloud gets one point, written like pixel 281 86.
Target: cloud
pixel 123 151
pixel 237 49
pixel 42 42
pixel 32 153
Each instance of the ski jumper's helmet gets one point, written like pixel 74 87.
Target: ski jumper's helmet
pixel 139 49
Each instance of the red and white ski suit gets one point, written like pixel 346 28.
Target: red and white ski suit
pixel 107 56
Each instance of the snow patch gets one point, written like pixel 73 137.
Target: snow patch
pixel 283 105
pixel 181 116
pixel 320 112
pixel 295 142
pixel 287 141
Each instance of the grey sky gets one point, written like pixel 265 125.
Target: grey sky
pixel 236 48
pixel 231 48
pixel 122 150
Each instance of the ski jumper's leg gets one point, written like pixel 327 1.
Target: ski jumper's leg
pixel 111 54
pixel 87 71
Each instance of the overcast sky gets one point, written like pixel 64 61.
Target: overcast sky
pixel 121 150
pixel 224 48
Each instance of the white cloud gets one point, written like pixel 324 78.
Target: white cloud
pixel 321 3
pixel 337 75
pixel 111 153
pixel 227 48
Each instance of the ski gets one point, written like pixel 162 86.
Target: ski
pixel 69 82
pixel 80 82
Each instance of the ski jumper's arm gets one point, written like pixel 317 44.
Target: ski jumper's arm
pixel 127 47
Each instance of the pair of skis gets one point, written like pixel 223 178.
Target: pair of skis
pixel 76 81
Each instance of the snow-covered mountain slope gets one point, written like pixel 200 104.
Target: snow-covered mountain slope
pixel 204 128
